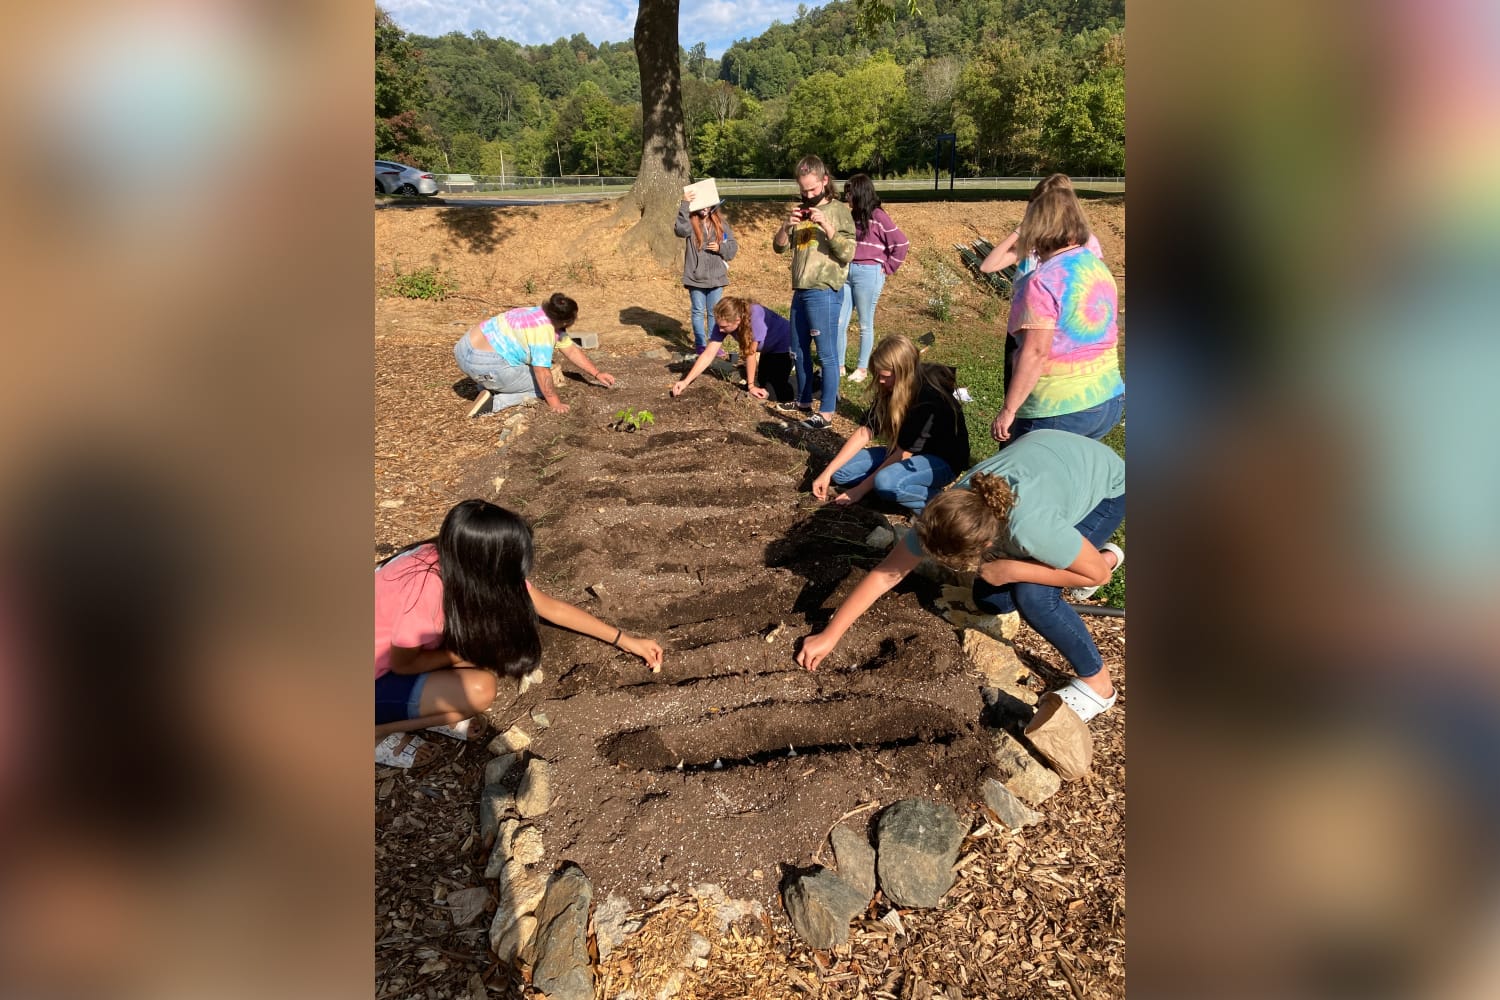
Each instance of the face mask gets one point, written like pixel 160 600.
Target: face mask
pixel 809 202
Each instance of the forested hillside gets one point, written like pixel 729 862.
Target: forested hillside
pixel 1027 86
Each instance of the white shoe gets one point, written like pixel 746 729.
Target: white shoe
pixel 859 375
pixel 481 403
pixel 1084 700
pixel 1084 593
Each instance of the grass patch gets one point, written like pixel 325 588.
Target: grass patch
pixel 423 283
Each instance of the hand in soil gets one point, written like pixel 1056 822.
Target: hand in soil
pixel 647 649
pixel 758 392
pixel 815 649
pixel 820 487
pixel 679 387
pixel 558 407
pixel 606 379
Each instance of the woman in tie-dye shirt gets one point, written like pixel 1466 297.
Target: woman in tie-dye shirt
pixel 1067 366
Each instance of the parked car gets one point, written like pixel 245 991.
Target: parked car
pixel 398 178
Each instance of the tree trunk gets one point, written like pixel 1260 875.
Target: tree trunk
pixel 653 199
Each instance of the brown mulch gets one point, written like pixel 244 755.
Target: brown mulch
pixel 1035 913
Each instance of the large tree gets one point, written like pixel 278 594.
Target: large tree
pixel 653 199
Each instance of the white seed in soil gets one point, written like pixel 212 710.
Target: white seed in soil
pixel 718 764
pixel 791 751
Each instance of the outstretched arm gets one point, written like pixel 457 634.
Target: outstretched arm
pixel 568 616
pixel 699 367
pixel 891 571
pixel 575 354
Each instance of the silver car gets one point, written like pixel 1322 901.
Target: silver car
pixel 398 178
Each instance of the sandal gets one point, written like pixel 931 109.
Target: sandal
pixel 1084 593
pixel 388 754
pixel 1084 700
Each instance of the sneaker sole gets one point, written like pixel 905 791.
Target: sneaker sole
pixel 481 402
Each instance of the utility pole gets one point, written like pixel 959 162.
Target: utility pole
pixel 558 144
pixel 597 171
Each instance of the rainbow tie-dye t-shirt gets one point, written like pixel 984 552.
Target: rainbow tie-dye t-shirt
pixel 523 336
pixel 1074 295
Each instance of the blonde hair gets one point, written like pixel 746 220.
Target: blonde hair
pixel 1054 219
pixel 959 527
pixel 896 354
pixel 733 308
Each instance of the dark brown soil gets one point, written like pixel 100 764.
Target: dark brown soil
pixel 732 759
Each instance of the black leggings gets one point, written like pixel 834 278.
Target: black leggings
pixel 775 374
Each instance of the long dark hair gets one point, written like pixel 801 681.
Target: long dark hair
pixel 484 555
pixel 859 192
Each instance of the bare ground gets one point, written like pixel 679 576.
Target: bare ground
pixel 698 531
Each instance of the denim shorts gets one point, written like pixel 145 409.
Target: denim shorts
pixel 398 697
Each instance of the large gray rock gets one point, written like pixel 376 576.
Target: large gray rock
pixel 1003 802
pixel 535 792
pixel 1015 768
pixel 513 945
pixel 918 842
pixel 856 859
pixel 562 969
pixel 820 906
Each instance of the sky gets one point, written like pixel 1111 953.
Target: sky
pixel 717 23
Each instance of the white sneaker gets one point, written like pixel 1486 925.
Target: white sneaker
pixel 1084 593
pixel 859 375
pixel 481 403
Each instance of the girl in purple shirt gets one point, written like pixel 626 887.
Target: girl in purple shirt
pixel 881 249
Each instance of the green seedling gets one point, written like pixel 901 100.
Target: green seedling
pixel 630 421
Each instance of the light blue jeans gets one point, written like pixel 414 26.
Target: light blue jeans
pixel 910 483
pixel 815 317
pixel 704 300
pixel 511 384
pixel 861 292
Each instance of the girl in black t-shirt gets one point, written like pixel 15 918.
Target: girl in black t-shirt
pixel 915 413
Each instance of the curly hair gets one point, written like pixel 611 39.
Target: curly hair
pixel 960 526
pixel 736 309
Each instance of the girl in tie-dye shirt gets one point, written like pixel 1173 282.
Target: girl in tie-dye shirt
pixel 1066 372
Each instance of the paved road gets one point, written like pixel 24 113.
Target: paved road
pixel 440 201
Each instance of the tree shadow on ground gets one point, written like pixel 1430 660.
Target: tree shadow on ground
pixel 481 228
pixel 670 330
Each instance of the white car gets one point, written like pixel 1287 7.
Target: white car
pixel 398 178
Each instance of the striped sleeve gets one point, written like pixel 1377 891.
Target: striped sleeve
pixel 895 240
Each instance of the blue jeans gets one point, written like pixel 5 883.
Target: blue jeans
pixel 910 483
pixel 861 292
pixel 1095 422
pixel 815 317
pixel 1044 609
pixel 704 300
pixel 511 384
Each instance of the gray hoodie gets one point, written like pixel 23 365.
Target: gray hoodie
pixel 704 268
